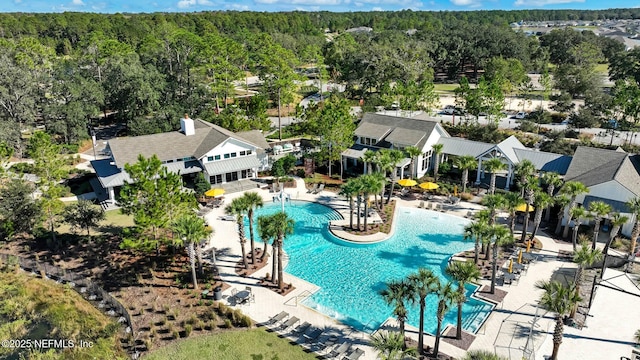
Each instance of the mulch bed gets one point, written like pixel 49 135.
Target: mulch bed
pixel 450 337
pixel 259 264
pixel 497 297
pixel 428 351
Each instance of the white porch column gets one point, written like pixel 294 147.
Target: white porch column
pixel 112 194
pixel 479 171
pixel 401 172
pixel 509 177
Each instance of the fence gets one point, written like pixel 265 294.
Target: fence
pixel 96 295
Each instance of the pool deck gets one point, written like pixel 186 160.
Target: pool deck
pixel 505 330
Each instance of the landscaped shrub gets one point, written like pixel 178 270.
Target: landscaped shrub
pixel 187 330
pixel 228 324
pixel 222 309
pixel 176 334
pixel 245 321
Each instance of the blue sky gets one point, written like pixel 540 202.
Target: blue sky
pixel 112 6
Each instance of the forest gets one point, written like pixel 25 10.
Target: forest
pixel 66 72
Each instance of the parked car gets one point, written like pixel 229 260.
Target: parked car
pixel 521 115
pixel 452 110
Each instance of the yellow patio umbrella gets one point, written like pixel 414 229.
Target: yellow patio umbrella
pixel 523 208
pixel 429 185
pixel 520 257
pixel 510 265
pixel 407 182
pixel 214 192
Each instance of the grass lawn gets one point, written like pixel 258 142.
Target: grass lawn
pixel 113 223
pixel 445 88
pixel 233 345
pixel 602 68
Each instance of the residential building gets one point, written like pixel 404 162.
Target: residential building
pixel 199 146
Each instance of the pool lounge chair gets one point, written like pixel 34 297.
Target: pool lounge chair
pixel 281 316
pixel 300 329
pixel 227 218
pixel 313 189
pixel 339 350
pixel 319 189
pixel 355 354
pixel 289 323
pixel 313 336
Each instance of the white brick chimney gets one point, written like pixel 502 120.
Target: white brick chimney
pixel 186 126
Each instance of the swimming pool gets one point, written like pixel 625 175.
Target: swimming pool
pixel 350 276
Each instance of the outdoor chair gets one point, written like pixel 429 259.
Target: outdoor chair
pixel 421 204
pixel 289 323
pixel 313 336
pixel 281 316
pixel 319 189
pixel 355 354
pixel 300 329
pixel 339 350
pixel 313 189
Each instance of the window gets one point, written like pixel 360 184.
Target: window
pixel 178 160
pixel 248 152
pixel 209 158
pixel 186 158
pixel 243 153
pixel 169 161
pixel 233 155
pixel 226 156
pixel 215 179
pixel 217 157
pixel 426 160
pixel 244 174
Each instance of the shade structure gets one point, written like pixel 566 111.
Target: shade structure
pixel 429 185
pixel 523 208
pixel 407 182
pixel 214 192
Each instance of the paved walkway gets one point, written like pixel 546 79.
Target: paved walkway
pixel 506 331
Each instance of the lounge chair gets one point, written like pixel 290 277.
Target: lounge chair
pixel 319 189
pixel 355 354
pixel 313 189
pixel 421 205
pixel 289 323
pixel 313 336
pixel 300 329
pixel 227 218
pixel 339 350
pixel 281 316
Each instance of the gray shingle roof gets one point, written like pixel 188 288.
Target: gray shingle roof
pixel 545 161
pixel 507 148
pixel 374 125
pixel 593 166
pixel 174 144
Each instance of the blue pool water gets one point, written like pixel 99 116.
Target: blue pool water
pixel 351 275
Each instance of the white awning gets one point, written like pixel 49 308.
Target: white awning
pixel 231 165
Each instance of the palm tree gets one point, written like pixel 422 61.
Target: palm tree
pixel 265 236
pixel 616 221
pixel 572 189
pixel 476 230
pixel 462 272
pixel 584 257
pixel 493 202
pixel 465 163
pixel 349 190
pixel 252 201
pixel 558 299
pixel 446 297
pixel 529 191
pixel 524 171
pixel 561 201
pixel 413 153
pixel 390 345
pixel 578 213
pixel 437 150
pixel 396 294
pixel 238 207
pixel 369 157
pixel 511 202
pixel 498 235
pixel 281 225
pixel 634 206
pixel 395 156
pixel 541 201
pixel 552 180
pixel 598 209
pixel 191 230
pixel 493 165
pixel 423 283
pixel 371 184
pixel 482 355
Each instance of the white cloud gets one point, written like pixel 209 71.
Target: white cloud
pixel 17 1
pixel 237 7
pixel 77 2
pixel 188 3
pixel 544 2
pixel 470 3
pixel 377 8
